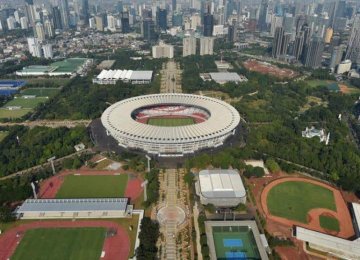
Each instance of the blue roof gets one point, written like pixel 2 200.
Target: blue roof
pixel 12 83
pixel 77 205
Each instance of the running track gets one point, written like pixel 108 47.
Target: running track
pixel 116 247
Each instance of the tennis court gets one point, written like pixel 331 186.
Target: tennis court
pixel 235 243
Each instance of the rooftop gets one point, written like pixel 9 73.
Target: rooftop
pixel 44 205
pixel 221 184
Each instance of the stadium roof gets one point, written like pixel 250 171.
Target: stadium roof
pixel 118 119
pixel 125 75
pixel 225 76
pixel 44 205
pixel 141 75
pixel 356 208
pixel 221 184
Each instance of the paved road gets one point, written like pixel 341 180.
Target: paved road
pixel 50 123
pixel 197 230
pixel 171 78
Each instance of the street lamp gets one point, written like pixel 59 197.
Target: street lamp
pixel 51 161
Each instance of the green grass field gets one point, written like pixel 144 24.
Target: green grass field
pixel 86 186
pixel 249 247
pixel 61 243
pixel 3 134
pixel 329 223
pixel 170 121
pixel 40 92
pixel 4 113
pixel 294 199
pixel 26 102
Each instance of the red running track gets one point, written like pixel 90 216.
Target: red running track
pixel 116 247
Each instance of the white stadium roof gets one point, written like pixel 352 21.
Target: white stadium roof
pixel 221 184
pixel 45 205
pixel 118 119
pixel 225 76
pixel 125 75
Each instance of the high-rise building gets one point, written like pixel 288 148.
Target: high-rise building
pixel 189 46
pixel 64 12
pixel 24 23
pixel 276 22
pixel 84 14
pixel 57 18
pixel 336 56
pixel 119 7
pixel 49 30
pixel 314 53
pixel 173 5
pixel 99 21
pixel 161 18
pixel 11 23
pixel 353 50
pixel 298 45
pixel 177 19
pixel 125 25
pixel 232 33
pixel 30 12
pixel 328 35
pixel 34 47
pixel 163 51
pixel 277 42
pixel 92 23
pixel 206 46
pixel 208 25
pixel 111 23
pixel 48 51
pixel 148 29
pixel 262 24
pixel 40 32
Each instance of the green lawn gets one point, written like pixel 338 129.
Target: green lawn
pixel 318 82
pixel 40 92
pixel 4 113
pixel 85 186
pixel 3 134
pixel 26 102
pixel 170 121
pixel 294 199
pixel 61 243
pixel 329 223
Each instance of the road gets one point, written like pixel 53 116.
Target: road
pixel 50 123
pixel 171 78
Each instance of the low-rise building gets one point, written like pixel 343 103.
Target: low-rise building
pixel 110 77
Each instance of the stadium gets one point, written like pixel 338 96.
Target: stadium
pixel 170 124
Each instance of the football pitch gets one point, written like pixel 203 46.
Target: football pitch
pixel 5 113
pixel 294 199
pixel 61 243
pixel 171 121
pixel 40 92
pixel 90 186
pixel 26 102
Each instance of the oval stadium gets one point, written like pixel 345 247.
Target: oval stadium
pixel 170 124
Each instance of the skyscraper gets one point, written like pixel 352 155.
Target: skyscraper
pixel 64 12
pixel 40 32
pixel 336 56
pixel 206 46
pixel 148 29
pixel 208 25
pixel 277 42
pixel 353 50
pixel 57 17
pixel 85 11
pixel 262 25
pixel 161 17
pixel 298 45
pixel 125 26
pixel 49 30
pixel 314 53
pixel 189 46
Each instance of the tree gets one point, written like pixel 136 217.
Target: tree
pixel 148 236
pixel 6 214
pixel 272 165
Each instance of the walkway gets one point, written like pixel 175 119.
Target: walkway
pixel 171 78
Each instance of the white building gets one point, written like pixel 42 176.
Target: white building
pixel 313 132
pixel 332 245
pixel 163 51
pixel 34 47
pixel 92 23
pixel 110 77
pixel 40 32
pixel 189 46
pixel 49 30
pixel 206 46
pixel 48 51
pixel 74 208
pixel 344 67
pixel 111 21
pixel 222 188
pixel 11 23
pixel 195 21
pixel 224 77
pixel 24 23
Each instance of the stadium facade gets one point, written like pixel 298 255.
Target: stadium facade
pixel 129 122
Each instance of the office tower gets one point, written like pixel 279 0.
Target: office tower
pixel 24 23
pixel 48 51
pixel 119 7
pixel 288 23
pixel 285 44
pixel 206 46
pixel 161 18
pixel 148 29
pixel 111 23
pixel 340 24
pixel 57 18
pixel 299 23
pixel 40 32
pixel 195 21
pixel 177 19
pixel 30 12
pixel 99 23
pixel 173 5
pixel 92 23
pixel 232 33
pixel 328 35
pixel 336 56
pixel 34 47
pixel 314 53
pixel 163 51
pixel 189 46
pixel 340 9
pixel 125 26
pixel 11 23
pixel 49 30
pixel 353 50
pixel 208 25
pixel 276 22
pixel 262 25
pixel 298 45
pixel 277 42
pixel 64 12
